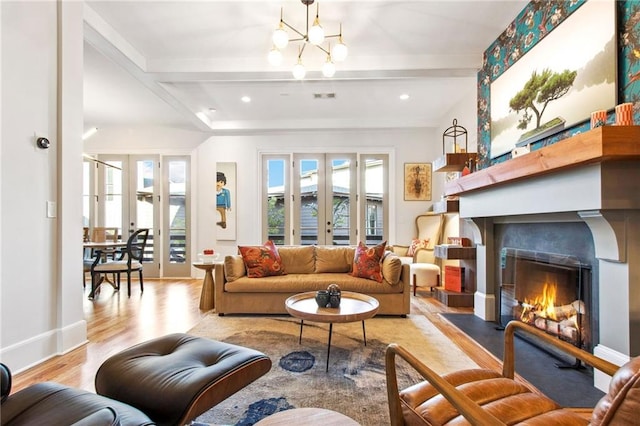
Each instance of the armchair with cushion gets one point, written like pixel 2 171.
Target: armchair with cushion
pixel 420 249
pixel 487 397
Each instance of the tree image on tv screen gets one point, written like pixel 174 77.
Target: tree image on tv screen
pixel 538 92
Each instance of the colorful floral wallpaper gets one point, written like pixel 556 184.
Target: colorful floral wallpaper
pixel 536 20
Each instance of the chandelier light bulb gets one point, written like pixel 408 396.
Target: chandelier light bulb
pixel 275 57
pixel 316 33
pixel 329 68
pixel 298 70
pixel 339 51
pixel 280 37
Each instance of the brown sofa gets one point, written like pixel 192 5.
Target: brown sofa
pixel 308 268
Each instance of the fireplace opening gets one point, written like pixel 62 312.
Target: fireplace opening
pixel 549 291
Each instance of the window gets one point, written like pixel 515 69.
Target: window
pixel 313 198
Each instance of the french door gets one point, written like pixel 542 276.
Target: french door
pixel 132 192
pixel 175 218
pixel 324 199
pixel 127 188
pixel 329 199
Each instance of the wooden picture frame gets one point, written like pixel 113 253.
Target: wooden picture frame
pixel 417 181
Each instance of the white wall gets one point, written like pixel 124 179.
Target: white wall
pixel 40 277
pixel 143 140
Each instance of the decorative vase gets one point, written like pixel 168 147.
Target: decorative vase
pixel 598 118
pixel 334 299
pixel 322 298
pixel 624 114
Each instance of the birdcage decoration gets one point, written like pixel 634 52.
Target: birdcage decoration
pixel 459 157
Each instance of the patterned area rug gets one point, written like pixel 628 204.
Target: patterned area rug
pixel 355 384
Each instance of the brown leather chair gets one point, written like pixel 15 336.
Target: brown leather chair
pixel 487 397
pixel 165 381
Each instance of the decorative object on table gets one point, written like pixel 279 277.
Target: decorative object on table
pixel 417 181
pixel 598 118
pixel 334 295
pixel 624 114
pixel 322 298
pixel 208 256
pixel 459 241
pixel 459 157
pixel 520 150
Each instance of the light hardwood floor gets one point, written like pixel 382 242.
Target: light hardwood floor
pixel 115 322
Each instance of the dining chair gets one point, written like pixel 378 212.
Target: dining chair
pixel 129 261
pixel 101 234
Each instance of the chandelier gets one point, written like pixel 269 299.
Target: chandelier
pixel 313 35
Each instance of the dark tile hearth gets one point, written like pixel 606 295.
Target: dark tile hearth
pixel 567 386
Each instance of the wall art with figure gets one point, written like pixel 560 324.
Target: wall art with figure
pixel 225 201
pixel 417 181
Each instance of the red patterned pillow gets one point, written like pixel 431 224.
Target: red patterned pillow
pixel 367 260
pixel 262 261
pixel 417 244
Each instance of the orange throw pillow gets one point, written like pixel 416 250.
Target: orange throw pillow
pixel 262 261
pixel 367 260
pixel 417 244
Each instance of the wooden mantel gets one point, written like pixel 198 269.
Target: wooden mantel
pixel 607 143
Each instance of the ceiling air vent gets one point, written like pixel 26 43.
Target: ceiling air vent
pixel 324 95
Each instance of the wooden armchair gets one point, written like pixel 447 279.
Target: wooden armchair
pixel 486 397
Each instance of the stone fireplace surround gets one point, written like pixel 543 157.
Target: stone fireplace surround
pixel 594 178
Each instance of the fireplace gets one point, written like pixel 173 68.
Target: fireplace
pixel 592 178
pixel 549 291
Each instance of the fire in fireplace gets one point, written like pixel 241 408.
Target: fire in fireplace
pixel 564 321
pixel 547 290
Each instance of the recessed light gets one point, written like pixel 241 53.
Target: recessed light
pixel 246 99
pixel 212 110
pixel 404 97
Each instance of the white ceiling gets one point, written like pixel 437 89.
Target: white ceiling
pixel 160 63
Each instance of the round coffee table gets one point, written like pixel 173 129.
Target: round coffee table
pixel 307 417
pixel 353 307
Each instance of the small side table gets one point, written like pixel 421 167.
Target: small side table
pixel 207 296
pixel 307 417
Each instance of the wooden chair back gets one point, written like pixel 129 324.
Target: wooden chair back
pixel 102 234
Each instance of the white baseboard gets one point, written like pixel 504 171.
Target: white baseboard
pixel 484 306
pixel 34 350
pixel 601 380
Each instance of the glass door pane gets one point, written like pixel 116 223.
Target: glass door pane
pixel 144 209
pixel 275 211
pixel 113 196
pixel 375 207
pixel 88 195
pixel 309 213
pixel 176 259
pixel 341 206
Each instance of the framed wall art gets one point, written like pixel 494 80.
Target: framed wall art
pixel 226 201
pixel 558 83
pixel 417 181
